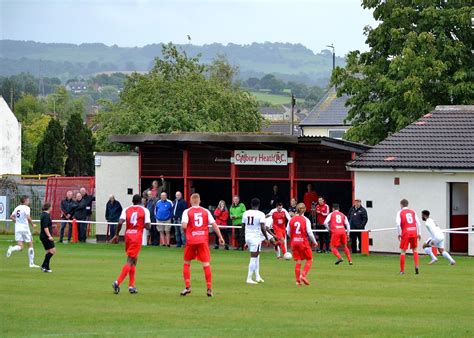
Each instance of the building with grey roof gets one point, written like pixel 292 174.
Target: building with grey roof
pixel 327 118
pixel 431 163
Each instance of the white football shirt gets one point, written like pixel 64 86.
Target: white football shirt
pixel 252 219
pixel 21 213
pixel 434 230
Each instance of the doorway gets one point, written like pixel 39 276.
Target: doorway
pixel 212 191
pixel 333 192
pixel 459 204
pixel 263 190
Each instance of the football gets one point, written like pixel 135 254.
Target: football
pixel 288 256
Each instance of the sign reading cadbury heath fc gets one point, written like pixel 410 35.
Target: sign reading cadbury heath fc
pixel 261 157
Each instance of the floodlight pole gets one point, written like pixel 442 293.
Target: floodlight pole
pixel 292 118
pixel 333 55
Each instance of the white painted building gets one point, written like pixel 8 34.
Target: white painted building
pixel 430 163
pixel 10 141
pixel 117 174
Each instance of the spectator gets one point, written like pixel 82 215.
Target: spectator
pixel 80 214
pixel 357 219
pixel 179 205
pixel 67 206
pixel 292 208
pixel 310 200
pixel 89 199
pixel 222 217
pixel 113 209
pixel 150 205
pixel 163 214
pixel 156 189
pixel 236 212
pixel 275 197
pixel 322 210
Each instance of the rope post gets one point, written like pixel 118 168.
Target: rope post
pixel 364 245
pixel 74 231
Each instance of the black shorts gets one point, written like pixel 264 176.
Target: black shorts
pixel 47 244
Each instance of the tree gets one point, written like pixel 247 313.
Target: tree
pixel 51 150
pixel 178 95
pixel 420 56
pixel 31 134
pixel 80 145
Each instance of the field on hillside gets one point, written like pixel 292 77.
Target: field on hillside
pixel 274 99
pixel 366 299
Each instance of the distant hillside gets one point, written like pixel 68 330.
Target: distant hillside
pixel 290 62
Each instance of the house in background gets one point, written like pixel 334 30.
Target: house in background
pixel 76 87
pixel 430 163
pixel 10 141
pixel 327 117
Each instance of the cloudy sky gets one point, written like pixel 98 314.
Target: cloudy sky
pixel 129 23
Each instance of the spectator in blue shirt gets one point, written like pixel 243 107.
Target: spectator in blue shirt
pixel 113 209
pixel 163 215
pixel 179 205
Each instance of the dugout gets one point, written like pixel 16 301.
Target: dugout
pixel 219 165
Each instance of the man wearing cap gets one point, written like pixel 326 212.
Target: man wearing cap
pixel 357 219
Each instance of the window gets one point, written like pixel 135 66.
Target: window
pixel 336 133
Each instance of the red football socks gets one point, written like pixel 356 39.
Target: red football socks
pixel 131 282
pixel 124 273
pixel 187 275
pixel 297 271
pixel 307 267
pixel 283 248
pixel 348 253
pixel 415 258
pixel 336 253
pixel 208 274
pixel 402 263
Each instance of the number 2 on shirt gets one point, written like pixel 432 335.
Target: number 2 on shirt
pixel 298 226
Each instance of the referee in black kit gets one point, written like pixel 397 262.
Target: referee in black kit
pixel 46 236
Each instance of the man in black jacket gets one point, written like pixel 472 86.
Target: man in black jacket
pixel 113 209
pixel 89 199
pixel 357 219
pixel 80 214
pixel 67 206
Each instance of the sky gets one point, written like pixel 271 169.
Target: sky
pixel 130 23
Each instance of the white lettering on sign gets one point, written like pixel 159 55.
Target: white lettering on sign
pixel 261 157
pixel 3 207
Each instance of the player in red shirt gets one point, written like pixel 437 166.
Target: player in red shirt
pixel 195 222
pixel 336 222
pixel 299 230
pixel 408 226
pixel 322 211
pixel 136 218
pixel 280 218
pixel 310 199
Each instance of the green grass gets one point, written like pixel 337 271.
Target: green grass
pixel 274 99
pixel 366 299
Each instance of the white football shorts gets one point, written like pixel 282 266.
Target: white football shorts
pixel 23 236
pixel 438 243
pixel 253 243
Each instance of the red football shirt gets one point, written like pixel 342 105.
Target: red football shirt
pixel 298 231
pixel 279 220
pixel 337 222
pixel 324 209
pixel 408 223
pixel 135 217
pixel 197 220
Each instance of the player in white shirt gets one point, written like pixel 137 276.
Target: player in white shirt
pixel 436 239
pixel 21 217
pixel 255 233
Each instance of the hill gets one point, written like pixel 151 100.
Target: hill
pixel 290 62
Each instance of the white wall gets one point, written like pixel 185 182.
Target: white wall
pixel 116 173
pixel 320 131
pixel 424 190
pixel 10 141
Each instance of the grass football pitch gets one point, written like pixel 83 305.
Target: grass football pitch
pixel 366 299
